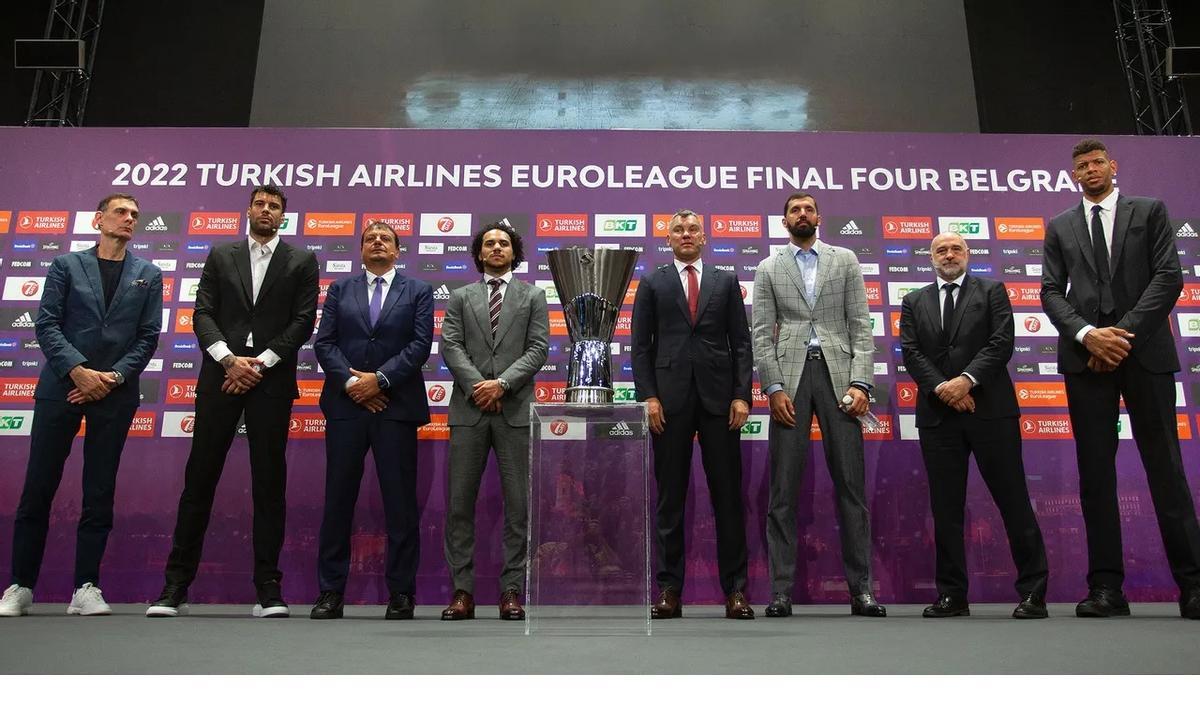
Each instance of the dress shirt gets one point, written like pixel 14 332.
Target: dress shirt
pixel 1108 216
pixel 942 294
pixel 387 278
pixel 260 259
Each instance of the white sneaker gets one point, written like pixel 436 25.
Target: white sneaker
pixel 274 610
pixel 88 601
pixel 16 601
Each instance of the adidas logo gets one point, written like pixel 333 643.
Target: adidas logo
pixel 158 225
pixel 1186 230
pixel 441 293
pixel 621 429
pixel 25 320
pixel 850 228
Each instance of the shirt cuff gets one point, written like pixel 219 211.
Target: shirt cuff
pixel 269 358
pixel 350 382
pixel 772 388
pixel 974 382
pixel 1082 332
pixel 862 385
pixel 218 350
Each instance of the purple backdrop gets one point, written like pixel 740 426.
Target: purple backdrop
pixel 181 177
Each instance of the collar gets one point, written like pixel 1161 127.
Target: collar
pixel 388 277
pixel 959 281
pixel 271 245
pixel 506 277
pixel 1107 205
pixel 698 264
pixel 794 249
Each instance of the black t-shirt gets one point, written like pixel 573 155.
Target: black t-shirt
pixel 110 275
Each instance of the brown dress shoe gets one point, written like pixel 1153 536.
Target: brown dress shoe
pixel 510 605
pixel 668 605
pixel 462 606
pixel 736 607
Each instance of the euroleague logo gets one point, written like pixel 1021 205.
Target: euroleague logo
pixel 1032 324
pixel 445 224
pixel 437 392
pixel 29 288
pixel 187 424
pixel 559 428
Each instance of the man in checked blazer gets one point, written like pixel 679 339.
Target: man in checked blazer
pixel 814 351
pixel 495 337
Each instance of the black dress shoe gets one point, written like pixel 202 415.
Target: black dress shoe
pixel 1103 602
pixel 948 606
pixel 1033 606
pixel 781 606
pixel 400 606
pixel 865 605
pixel 329 606
pixel 1189 604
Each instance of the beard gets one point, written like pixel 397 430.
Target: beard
pixel 802 230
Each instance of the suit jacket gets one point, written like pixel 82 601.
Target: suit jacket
pixel 1146 281
pixel 397 345
pixel 74 326
pixel 282 320
pixel 782 316
pixel 980 344
pixel 670 354
pixel 517 352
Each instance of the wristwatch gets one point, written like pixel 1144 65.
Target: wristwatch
pixel 503 383
pixel 120 378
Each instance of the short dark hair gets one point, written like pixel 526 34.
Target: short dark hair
pixel 513 237
pixel 797 196
pixel 378 225
pixel 1090 144
pixel 103 204
pixel 272 190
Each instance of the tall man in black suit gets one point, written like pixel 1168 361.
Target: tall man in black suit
pixel 692 365
pixel 97 325
pixel 1116 255
pixel 957 339
pixel 255 306
pixel 376 332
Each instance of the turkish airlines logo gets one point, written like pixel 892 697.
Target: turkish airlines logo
pixel 306 426
pixel 402 223
pixel 17 388
pixel 181 391
pixel 42 222
pixel 206 223
pixel 561 225
pixel 736 225
pixel 550 392
pixel 906 394
pixel 1046 426
pixel 1020 294
pixel 907 226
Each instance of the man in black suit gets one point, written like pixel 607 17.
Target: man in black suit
pixel 692 364
pixel 256 304
pixel 957 339
pixel 376 332
pixel 1110 277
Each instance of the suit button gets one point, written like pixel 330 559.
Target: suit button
pixel 372 339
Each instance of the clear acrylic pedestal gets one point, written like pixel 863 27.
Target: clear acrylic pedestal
pixel 589 520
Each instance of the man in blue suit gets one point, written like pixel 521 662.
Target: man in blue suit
pixel 376 332
pixel 98 325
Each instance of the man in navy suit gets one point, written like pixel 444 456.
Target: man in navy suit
pixel 376 332
pixel 692 364
pixel 98 325
pixel 1110 277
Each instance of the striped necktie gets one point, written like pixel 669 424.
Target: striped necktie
pixel 494 304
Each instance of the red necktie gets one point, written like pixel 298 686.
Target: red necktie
pixel 693 292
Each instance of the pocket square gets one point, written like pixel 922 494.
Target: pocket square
pixel 139 282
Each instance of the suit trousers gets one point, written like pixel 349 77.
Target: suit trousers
pixel 720 451
pixel 1092 399
pixel 217 416
pixel 394 446
pixel 843 443
pixel 469 447
pixel 55 424
pixel 996 445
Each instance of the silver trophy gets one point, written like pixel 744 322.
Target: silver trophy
pixel 591 287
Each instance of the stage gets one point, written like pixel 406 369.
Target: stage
pixel 224 639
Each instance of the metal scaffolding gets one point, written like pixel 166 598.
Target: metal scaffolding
pixel 60 96
pixel 1143 35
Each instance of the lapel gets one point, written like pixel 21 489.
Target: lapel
pixel 241 262
pixel 126 282
pixel 394 292
pixel 361 299
pixel 477 300
pixel 508 309
pixel 825 266
pixel 92 269
pixel 933 312
pixel 707 282
pixel 964 297
pixel 788 263
pixel 675 286
pixel 279 257
pixel 1124 212
pixel 1083 237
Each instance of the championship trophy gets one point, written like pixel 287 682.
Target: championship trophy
pixel 591 287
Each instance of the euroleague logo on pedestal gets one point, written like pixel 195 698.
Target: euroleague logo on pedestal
pixel 559 428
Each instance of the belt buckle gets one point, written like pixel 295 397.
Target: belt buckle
pixel 814 354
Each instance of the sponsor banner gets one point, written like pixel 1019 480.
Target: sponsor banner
pixel 1038 394
pixel 1020 229
pixel 15 422
pixel 662 224
pixel 758 400
pixel 5 221
pixel 776 230
pixel 907 227
pixel 445 225
pixel 42 222
pixel 908 427
pixel 1024 293
pixel 562 429
pixel 155 224
pixel 1034 325
pixel 756 427
pixel 874 294
pixel 310 392
pixel 17 389
pixel 438 393
pixel 438 317
pixel 188 286
pixel 898 290
pixel 402 223
pixel 210 223
pixel 23 288
pixel 966 227
pixel 323 285
pixel 624 323
pixel 82 223
pixel 1042 427
pixel 623 393
pixel 735 226
pixel 630 293
pixel 620 431
pixel 431 248
pixel 906 395
pixel 877 327
pixel 620 225
pixel 178 424
pixel 547 285
pixel 183 320
pixel 1047 368
pixel 306 425
pixel 1184 427
pixel 883 432
pixel 746 288
pixel 550 392
pixel 336 224
pixel 558 323
pixel 438 428
pixel 1189 325
pixel 1190 295
pixel 181 391
pixel 561 225
pixel 894 317
pixel 339 266
pixel 168 289
pixel 142 425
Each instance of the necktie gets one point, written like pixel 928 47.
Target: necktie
pixel 693 291
pixel 494 304
pixel 1099 247
pixel 948 310
pixel 376 300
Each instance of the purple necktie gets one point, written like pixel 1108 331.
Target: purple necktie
pixel 376 301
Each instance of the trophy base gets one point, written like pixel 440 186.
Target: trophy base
pixel 589 395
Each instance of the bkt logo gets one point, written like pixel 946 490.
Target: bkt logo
pixel 751 428
pixel 624 395
pixel 618 225
pixel 11 423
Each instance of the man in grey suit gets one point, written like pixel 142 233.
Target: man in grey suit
pixel 1110 277
pixel 495 337
pixel 813 348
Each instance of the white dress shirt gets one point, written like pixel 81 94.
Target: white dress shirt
pixel 387 278
pixel 260 259
pixel 942 294
pixel 1108 217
